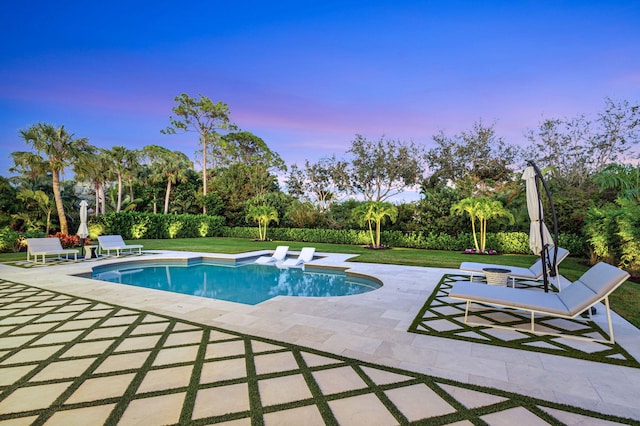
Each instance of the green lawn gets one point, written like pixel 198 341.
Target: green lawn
pixel 625 301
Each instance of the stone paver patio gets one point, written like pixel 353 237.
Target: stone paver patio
pixel 73 349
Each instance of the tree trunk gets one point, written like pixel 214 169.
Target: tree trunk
pixel 475 237
pixel 97 191
pixel 58 197
pixel 166 197
pixel 119 205
pixel 204 174
pixel 103 204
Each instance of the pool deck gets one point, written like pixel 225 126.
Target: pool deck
pixel 373 327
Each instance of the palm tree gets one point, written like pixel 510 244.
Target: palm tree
pixel 481 209
pixel 93 166
pixel 174 168
pixel 469 206
pixel 263 215
pixel 490 209
pixel 56 148
pixel 376 212
pixel 166 165
pixel 122 161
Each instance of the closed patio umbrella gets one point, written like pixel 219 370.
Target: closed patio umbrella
pixel 539 234
pixel 540 239
pixel 83 231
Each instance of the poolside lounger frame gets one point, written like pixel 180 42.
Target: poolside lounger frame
pixel 47 246
pixel 534 272
pixel 115 243
pixel 592 287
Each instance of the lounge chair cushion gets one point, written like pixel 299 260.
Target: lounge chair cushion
pixel 510 297
pixel 534 272
pixel 577 297
pixel 595 284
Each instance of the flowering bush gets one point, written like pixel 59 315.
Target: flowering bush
pixel 473 251
pixel 69 241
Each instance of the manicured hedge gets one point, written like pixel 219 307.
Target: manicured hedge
pixel 134 225
pixel 503 242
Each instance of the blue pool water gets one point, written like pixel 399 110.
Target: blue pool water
pixel 249 284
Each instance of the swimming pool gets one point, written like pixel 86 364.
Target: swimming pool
pixel 249 284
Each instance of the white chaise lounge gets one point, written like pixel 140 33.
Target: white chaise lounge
pixel 47 247
pixel 306 255
pixel 534 272
pixel 593 286
pixel 109 243
pixel 278 256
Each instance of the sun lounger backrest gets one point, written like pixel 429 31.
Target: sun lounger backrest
pixel 603 278
pixel 111 241
pixel 306 254
pixel 562 253
pixel 280 253
pixel 536 268
pixel 591 287
pixel 39 245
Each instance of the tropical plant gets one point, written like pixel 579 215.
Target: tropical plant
pixel 166 166
pixel 263 215
pixel 41 201
pixel 375 212
pixel 55 149
pixel 622 178
pixel 481 210
pixel 490 209
pixel 122 162
pixel 203 117
pixel 93 167
pixel 126 203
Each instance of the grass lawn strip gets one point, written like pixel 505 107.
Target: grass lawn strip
pixel 69 356
pixel 444 317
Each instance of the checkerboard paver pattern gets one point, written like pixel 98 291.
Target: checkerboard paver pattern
pixel 68 360
pixel 444 317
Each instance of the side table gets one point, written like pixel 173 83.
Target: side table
pixel 90 252
pixel 496 276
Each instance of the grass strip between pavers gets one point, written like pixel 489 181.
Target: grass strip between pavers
pixel 37 316
pixel 439 307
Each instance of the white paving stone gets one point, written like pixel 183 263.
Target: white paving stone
pixel 373 327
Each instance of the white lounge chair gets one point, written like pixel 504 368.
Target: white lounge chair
pixel 534 272
pixel 306 255
pixel 109 243
pixel 278 256
pixel 47 246
pixel 593 286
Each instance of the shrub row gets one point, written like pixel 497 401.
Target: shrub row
pixel 135 225
pixel 503 242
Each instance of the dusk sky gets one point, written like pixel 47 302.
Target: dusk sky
pixel 306 76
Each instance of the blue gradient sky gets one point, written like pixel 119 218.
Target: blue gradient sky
pixel 307 76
